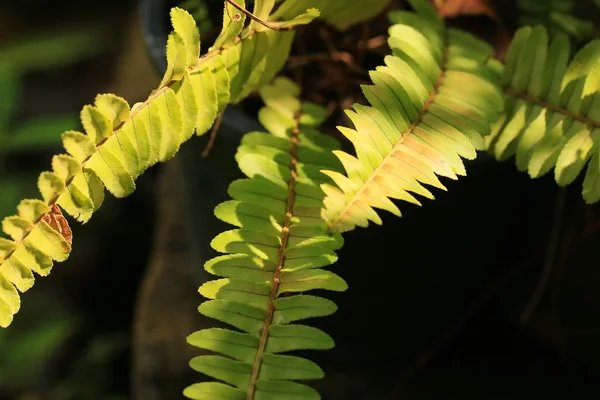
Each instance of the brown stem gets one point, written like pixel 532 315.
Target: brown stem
pixel 213 134
pixel 254 17
pixel 553 107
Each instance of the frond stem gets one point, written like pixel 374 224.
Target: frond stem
pixel 285 235
pixel 253 17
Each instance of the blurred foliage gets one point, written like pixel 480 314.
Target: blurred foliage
pixel 26 350
pixel 17 58
pixel 35 134
pixel 44 50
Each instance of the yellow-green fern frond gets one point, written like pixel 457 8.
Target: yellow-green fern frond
pixel 552 115
pixel 279 248
pixel 430 105
pixel 120 142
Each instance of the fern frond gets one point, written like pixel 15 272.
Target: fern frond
pixel 121 142
pixel 280 248
pixel 430 105
pixel 556 16
pixel 552 115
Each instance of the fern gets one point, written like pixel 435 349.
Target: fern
pixel 290 210
pixel 280 247
pixel 121 142
pixel 552 115
pixel 556 16
pixel 430 105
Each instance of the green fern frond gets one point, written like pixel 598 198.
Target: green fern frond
pixel 121 142
pixel 552 115
pixel 280 248
pixel 556 16
pixel 430 105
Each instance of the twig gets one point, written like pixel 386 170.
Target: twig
pixel 254 17
pixel 375 42
pixel 549 258
pixel 213 134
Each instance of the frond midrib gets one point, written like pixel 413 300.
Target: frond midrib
pixel 285 235
pixel 550 106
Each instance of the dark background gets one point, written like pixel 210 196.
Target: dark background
pixel 435 300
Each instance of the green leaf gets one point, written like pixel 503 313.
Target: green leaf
pixel 51 186
pixel 262 10
pixel 97 126
pixel 186 28
pixel 302 281
pixel 176 59
pixel 107 165
pixel 78 145
pixel 240 315
pixel 240 346
pixel 222 80
pixel 252 64
pixel 230 371
pixel 272 390
pixel 206 93
pixel 168 110
pixel 233 22
pixel 301 19
pixel 213 391
pixel 283 367
pixel 10 301
pixel 184 91
pixel 299 307
pixel 114 107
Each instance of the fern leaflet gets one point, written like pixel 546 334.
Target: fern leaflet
pixel 280 247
